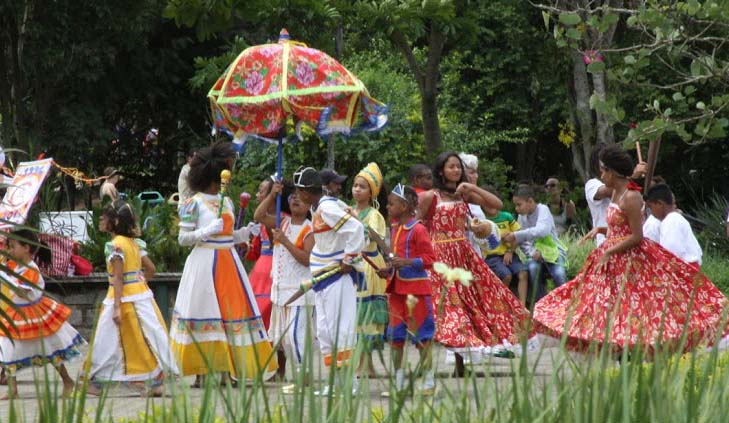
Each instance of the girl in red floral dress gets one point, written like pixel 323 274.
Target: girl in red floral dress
pixel 472 319
pixel 631 292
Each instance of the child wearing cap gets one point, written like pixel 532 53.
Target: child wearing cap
pixel 332 182
pixel 338 239
pixel 371 300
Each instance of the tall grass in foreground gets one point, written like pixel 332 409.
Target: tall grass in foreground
pixel 548 385
pixel 668 388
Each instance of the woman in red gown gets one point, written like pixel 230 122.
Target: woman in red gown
pixel 631 292
pixel 470 320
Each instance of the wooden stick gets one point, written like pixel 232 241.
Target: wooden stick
pixel 637 150
pixel 370 262
pixel 653 148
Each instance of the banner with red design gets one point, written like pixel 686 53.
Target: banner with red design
pixel 20 196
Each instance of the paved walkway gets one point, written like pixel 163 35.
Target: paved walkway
pixel 124 401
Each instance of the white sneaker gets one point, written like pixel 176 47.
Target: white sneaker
pixel 324 392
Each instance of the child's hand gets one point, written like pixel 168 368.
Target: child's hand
pixel 537 256
pixel 464 189
pixel 277 188
pixel 640 170
pixel 589 235
pixel 278 236
pixel 509 238
pixel 398 262
pixel 508 257
pixel 384 272
pixel 117 316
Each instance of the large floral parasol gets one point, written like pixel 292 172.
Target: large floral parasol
pixel 268 83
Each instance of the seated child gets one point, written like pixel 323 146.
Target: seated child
pixel 538 241
pixel 675 232
pixel 501 259
pixel 409 299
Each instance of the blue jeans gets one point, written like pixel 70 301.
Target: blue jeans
pixel 538 275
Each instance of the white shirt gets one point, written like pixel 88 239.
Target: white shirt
pixel 477 213
pixel 183 188
pixel 652 229
pixel 533 226
pixel 598 208
pixel 678 238
pixel 286 272
pixel 336 234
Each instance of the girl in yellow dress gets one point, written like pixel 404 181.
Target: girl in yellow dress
pixel 372 314
pixel 131 342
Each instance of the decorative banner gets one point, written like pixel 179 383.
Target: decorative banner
pixel 20 196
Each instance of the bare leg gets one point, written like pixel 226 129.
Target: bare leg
pixel 460 370
pixel 12 388
pixel 68 384
pixel 199 381
pixel 93 389
pixel 370 366
pixel 523 286
pixel 506 280
pixel 281 372
pixel 226 379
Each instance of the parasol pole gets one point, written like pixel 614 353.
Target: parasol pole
pixel 279 171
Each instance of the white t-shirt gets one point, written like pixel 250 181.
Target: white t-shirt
pixel 598 208
pixel 678 238
pixel 652 229
pixel 477 213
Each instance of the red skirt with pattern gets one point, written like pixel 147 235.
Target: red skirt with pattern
pixel 643 297
pixel 483 314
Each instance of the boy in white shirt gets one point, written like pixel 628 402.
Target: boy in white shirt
pixel 675 234
pixel 338 239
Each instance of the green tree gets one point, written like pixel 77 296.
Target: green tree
pixel 423 31
pixel 87 80
pixel 673 54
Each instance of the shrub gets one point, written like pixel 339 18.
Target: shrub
pixel 159 231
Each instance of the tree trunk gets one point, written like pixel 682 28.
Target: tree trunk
pixel 525 155
pixel 583 116
pixel 431 125
pixel 427 78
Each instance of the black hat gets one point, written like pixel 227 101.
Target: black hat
pixel 328 176
pixel 307 178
